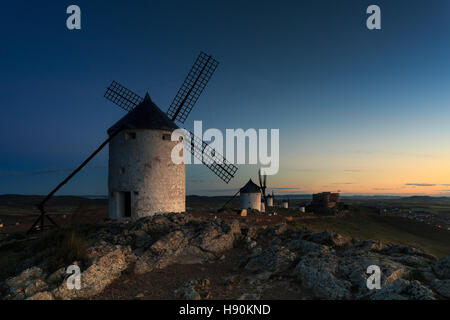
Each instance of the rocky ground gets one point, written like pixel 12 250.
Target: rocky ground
pixel 181 256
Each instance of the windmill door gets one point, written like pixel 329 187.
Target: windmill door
pixel 127 211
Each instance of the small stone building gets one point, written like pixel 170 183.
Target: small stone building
pixel 270 200
pixel 142 178
pixel 250 196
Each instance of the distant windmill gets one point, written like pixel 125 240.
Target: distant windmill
pixel 144 114
pixel 263 186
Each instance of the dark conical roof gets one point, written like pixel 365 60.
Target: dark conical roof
pixel 250 187
pixel 145 115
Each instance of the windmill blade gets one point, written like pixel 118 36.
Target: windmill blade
pixel 123 97
pixel 260 180
pixel 211 158
pixel 192 87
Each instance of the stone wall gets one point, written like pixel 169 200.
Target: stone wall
pixel 142 165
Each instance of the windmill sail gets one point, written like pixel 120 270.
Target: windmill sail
pixel 194 84
pixel 215 161
pixel 123 97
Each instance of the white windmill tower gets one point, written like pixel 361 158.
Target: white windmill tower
pixel 250 196
pixel 142 178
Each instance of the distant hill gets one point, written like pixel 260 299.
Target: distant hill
pixel 425 199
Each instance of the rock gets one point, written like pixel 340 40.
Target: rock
pixel 56 277
pixel 217 238
pixel 442 287
pixel 408 250
pixel 186 292
pixel 45 295
pixel 250 243
pixel 99 275
pixel 251 232
pixel 139 295
pixel 276 230
pixel 20 281
pixel 401 289
pixel 249 296
pixel 143 240
pixel 230 280
pixel 360 247
pixel 317 272
pixel 397 274
pixel 442 268
pixel 303 247
pixel 258 278
pixel 143 265
pixel 329 239
pixel 275 259
pixel 35 287
pixel 169 243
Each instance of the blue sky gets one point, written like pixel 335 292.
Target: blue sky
pixel 358 111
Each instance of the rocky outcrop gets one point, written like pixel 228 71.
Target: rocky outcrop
pixel 324 263
pixel 442 268
pixel 318 272
pixel 401 289
pixel 95 278
pixel 139 246
pixel 274 259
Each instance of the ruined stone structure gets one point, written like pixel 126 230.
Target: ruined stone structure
pixel 142 178
pixel 250 196
pixel 325 200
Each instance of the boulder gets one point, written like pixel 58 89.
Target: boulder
pixel 45 295
pixel 99 275
pixel 22 280
pixel 442 287
pixel 401 289
pixel 442 268
pixel 34 287
pixel 218 237
pixel 249 296
pixel 317 272
pixel 303 247
pixel 329 239
pixel 275 259
pixel 187 293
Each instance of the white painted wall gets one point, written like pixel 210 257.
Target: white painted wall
pixel 270 202
pixel 285 204
pixel 251 200
pixel 144 167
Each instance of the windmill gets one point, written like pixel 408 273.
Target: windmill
pixel 182 104
pixel 178 111
pixel 263 186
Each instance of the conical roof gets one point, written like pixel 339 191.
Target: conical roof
pixel 250 187
pixel 145 115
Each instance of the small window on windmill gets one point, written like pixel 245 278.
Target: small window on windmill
pixel 122 170
pixel 130 135
pixel 166 136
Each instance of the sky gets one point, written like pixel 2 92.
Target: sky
pixel 359 111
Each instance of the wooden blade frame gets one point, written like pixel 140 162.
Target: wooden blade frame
pixel 192 87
